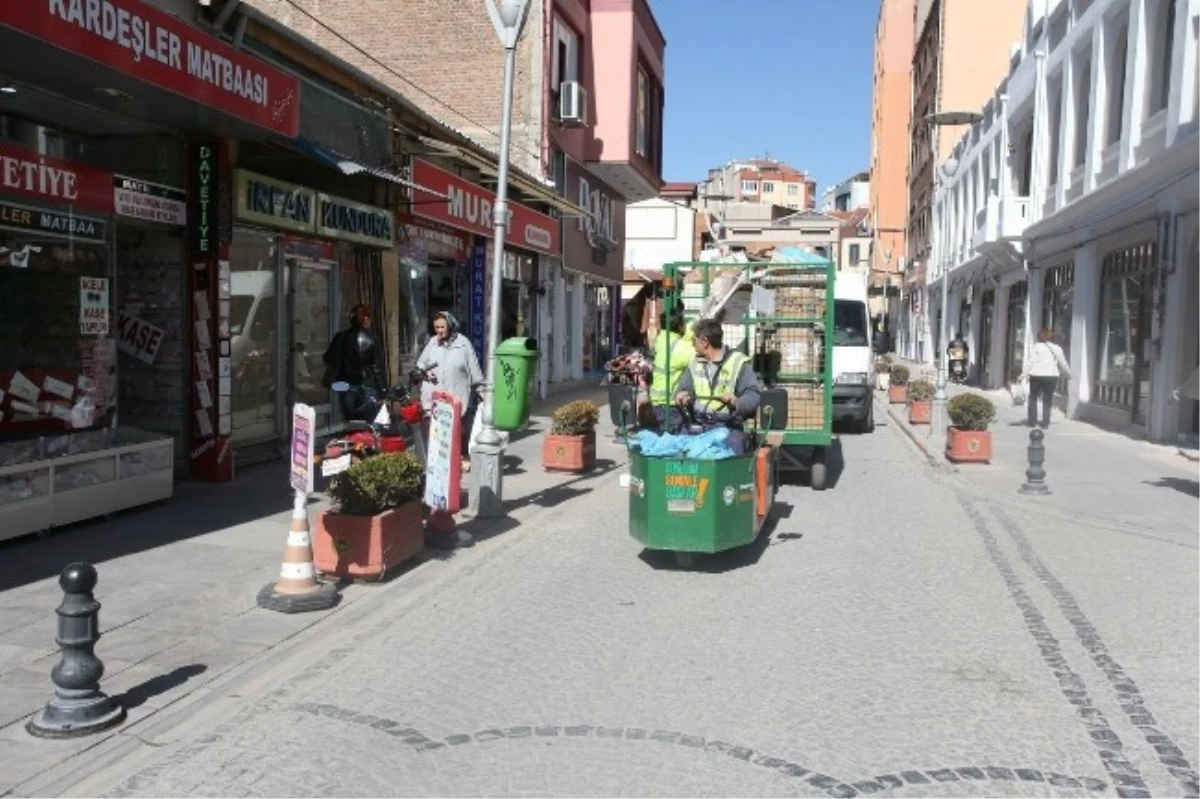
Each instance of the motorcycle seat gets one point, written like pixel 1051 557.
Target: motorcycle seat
pixel 357 426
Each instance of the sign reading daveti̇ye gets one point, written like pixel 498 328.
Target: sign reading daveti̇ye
pixel 139 40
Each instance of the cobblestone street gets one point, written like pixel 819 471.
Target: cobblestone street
pixel 897 635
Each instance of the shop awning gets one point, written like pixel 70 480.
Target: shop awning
pixel 350 166
pixel 541 194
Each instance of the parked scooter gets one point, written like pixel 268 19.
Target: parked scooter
pixel 956 356
pixel 387 422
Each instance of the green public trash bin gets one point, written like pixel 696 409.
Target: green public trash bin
pixel 516 364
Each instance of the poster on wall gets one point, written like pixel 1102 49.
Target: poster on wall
pixel 140 199
pixel 93 306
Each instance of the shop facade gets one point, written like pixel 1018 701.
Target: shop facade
pixel 448 246
pixel 293 257
pixel 98 222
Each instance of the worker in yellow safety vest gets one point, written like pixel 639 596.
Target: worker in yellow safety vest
pixel 720 385
pixel 673 354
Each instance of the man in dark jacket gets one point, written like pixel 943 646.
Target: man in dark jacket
pixel 360 365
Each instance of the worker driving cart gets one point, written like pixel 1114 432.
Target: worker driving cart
pixel 673 354
pixel 720 388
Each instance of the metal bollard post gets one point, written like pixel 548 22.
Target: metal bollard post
pixel 78 706
pixel 1035 475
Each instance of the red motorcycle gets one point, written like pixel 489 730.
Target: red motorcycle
pixel 395 426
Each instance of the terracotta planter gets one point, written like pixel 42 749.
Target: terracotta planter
pixel 569 453
pixel 920 411
pixel 898 393
pixel 968 446
pixel 367 547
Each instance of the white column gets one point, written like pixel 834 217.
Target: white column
pixel 1135 86
pixel 1066 113
pixel 1181 108
pixel 1037 188
pixel 1085 323
pixel 559 364
pixel 976 331
pixel 1004 166
pixel 1096 105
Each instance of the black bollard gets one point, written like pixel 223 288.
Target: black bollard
pixel 1035 475
pixel 78 706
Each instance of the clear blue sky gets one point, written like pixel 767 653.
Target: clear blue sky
pixel 787 77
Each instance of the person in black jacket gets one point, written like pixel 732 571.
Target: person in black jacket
pixel 359 363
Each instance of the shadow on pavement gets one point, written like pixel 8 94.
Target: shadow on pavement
pixel 730 559
pixel 196 509
pixel 1191 487
pixel 139 694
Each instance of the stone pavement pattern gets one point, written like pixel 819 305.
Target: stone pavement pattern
pixel 897 635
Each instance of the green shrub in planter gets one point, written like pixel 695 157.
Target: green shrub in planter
pixel 576 418
pixel 920 391
pixel 377 484
pixel 971 412
pixel 899 375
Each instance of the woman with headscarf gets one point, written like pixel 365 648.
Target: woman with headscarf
pixel 449 364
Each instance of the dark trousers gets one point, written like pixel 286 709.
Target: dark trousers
pixel 1041 387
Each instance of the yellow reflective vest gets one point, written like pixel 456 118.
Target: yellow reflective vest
pixel 708 395
pixel 672 355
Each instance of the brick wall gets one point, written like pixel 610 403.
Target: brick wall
pixel 447 48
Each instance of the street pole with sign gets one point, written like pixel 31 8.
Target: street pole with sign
pixel 508 17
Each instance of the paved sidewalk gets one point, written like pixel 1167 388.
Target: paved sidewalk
pixel 1090 471
pixel 179 582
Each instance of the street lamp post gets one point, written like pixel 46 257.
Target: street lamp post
pixel 508 17
pixel 948 169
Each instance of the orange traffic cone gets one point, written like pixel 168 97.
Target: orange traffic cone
pixel 298 588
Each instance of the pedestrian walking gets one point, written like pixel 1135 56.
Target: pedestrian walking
pixel 1046 364
pixel 449 364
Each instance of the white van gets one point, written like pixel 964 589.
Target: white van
pixel 853 361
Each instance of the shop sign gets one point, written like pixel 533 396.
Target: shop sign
pixel 137 39
pixel 93 306
pixel 470 207
pixel 138 338
pixel 598 224
pixel 439 239
pixel 52 179
pixel 37 220
pixel 140 199
pixel 205 166
pixel 478 294
pixel 350 221
pixel 443 461
pixel 273 202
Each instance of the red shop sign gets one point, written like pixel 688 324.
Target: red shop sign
pixel 139 40
pixel 53 179
pixel 469 207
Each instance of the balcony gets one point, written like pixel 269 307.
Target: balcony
pixel 1014 218
pixel 627 98
pixel 987 223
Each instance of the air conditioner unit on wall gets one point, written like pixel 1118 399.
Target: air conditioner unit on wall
pixel 572 103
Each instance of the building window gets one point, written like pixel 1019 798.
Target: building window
pixel 1058 305
pixel 793 206
pixel 1116 86
pixel 1054 120
pixel 768 187
pixel 793 189
pixel 1162 68
pixel 749 187
pixel 855 252
pixel 1083 91
pixel 568 55
pixel 643 114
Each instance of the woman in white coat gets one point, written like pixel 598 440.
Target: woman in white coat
pixel 1046 364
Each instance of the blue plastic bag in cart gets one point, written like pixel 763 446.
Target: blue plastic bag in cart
pixel 707 446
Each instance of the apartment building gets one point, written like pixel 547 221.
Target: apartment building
pixel 891 118
pixel 851 194
pixel 962 48
pixel 586 140
pixel 758 180
pixel 1074 207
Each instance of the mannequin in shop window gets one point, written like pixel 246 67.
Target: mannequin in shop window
pixel 360 365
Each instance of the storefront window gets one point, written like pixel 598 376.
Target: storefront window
pixel 987 307
pixel 1015 357
pixel 1123 377
pixel 254 268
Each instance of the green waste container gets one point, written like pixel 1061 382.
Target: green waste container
pixel 516 364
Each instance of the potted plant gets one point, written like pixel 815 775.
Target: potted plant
pixel 375 522
pixel 883 369
pixel 920 401
pixel 898 385
pixel 570 446
pixel 968 439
